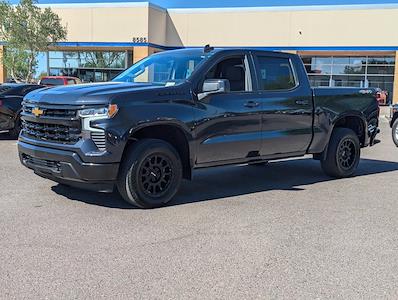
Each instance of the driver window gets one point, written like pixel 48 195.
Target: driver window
pixel 232 69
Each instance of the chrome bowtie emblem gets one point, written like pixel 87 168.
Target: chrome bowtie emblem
pixel 37 112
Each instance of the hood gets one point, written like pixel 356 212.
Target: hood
pixel 85 94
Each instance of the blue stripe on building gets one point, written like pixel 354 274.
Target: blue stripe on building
pixel 273 48
pixel 227 3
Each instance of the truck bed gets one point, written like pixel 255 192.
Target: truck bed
pixel 331 104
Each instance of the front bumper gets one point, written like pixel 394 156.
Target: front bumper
pixel 66 167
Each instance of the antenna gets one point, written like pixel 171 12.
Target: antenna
pixel 208 49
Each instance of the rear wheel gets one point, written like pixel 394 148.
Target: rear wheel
pixel 343 154
pixel 150 174
pixel 395 132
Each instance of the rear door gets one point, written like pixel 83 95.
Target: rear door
pixel 287 106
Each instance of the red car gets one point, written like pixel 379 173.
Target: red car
pixel 58 80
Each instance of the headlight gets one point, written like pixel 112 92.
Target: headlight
pixel 106 112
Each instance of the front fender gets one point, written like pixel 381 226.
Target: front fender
pixel 166 122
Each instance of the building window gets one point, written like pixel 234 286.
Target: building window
pixel 89 66
pixel 344 71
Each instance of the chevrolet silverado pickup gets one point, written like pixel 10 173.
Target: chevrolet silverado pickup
pixel 181 110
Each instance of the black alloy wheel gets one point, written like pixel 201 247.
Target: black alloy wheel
pixel 346 154
pixel 150 173
pixel 343 153
pixel 156 174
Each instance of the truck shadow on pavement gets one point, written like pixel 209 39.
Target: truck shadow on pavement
pixel 224 182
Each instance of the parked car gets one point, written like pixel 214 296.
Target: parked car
pixel 177 111
pixel 394 122
pixel 382 97
pixel 59 80
pixel 11 96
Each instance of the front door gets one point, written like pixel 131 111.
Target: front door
pixel 229 124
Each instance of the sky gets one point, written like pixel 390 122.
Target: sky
pixel 228 3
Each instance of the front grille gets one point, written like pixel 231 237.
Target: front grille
pixel 51 132
pixel 55 123
pixel 98 138
pixel 52 112
pixel 48 164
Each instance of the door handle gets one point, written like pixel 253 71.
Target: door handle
pixel 302 102
pixel 252 104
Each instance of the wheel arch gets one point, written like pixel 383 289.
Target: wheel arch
pixel 355 121
pixel 352 120
pixel 173 133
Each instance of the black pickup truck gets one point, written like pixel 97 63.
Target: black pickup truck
pixel 11 96
pixel 177 111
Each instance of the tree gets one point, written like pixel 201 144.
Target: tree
pixel 26 31
pixel 104 59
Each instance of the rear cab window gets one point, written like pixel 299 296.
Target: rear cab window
pixel 275 73
pixel 52 81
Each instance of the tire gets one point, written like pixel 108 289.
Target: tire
pixel 150 174
pixel 14 133
pixel 343 154
pixel 395 132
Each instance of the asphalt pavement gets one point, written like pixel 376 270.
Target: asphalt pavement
pixel 281 231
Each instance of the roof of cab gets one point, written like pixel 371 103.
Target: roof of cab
pixel 201 50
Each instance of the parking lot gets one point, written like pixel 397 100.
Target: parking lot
pixel 283 230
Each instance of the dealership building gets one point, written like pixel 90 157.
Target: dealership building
pixel 352 43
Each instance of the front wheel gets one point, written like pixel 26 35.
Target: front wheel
pixel 343 154
pixel 150 174
pixel 395 132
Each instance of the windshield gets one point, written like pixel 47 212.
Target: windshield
pixel 167 68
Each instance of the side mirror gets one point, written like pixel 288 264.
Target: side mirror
pixel 214 86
